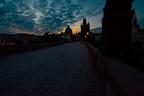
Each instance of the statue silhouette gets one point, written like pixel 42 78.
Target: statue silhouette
pixel 68 33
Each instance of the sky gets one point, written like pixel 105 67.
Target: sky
pixel 39 16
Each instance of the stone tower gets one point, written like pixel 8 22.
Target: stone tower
pixel 135 23
pixel 85 27
pixel 117 27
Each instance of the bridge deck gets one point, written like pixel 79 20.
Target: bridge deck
pixel 65 70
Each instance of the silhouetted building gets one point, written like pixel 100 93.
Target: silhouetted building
pixel 117 27
pixel 85 29
pixel 135 23
pixel 68 33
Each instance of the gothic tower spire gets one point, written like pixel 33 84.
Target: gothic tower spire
pixel 85 27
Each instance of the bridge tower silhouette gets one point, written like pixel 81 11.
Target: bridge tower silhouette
pixel 117 27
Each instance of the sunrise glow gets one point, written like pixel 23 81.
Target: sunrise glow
pixel 75 29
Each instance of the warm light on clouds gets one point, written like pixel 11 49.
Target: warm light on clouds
pixel 75 29
pixel 95 22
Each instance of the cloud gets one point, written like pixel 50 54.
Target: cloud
pixel 47 15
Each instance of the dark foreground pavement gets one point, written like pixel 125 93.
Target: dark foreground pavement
pixel 65 70
pixel 73 69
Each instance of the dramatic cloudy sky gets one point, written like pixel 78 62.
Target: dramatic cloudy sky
pixel 39 16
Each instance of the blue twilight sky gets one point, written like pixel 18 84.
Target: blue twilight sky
pixel 39 16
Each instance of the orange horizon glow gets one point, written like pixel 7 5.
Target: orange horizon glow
pixel 75 29
pixel 76 26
